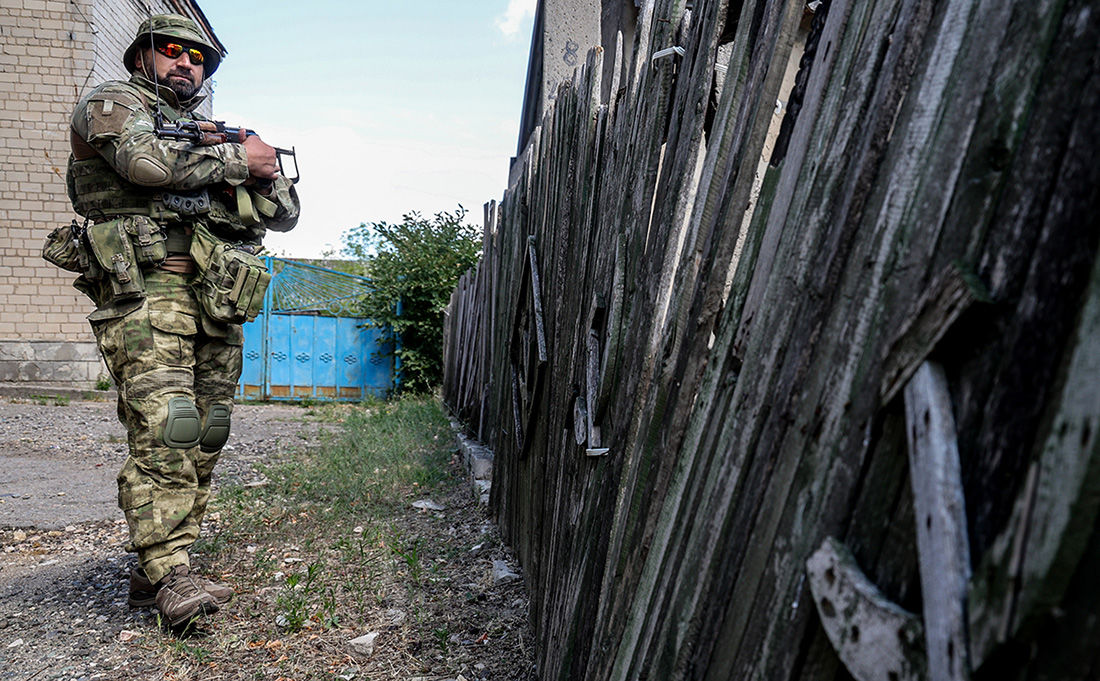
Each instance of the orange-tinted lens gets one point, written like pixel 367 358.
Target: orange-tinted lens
pixel 174 50
pixel 171 50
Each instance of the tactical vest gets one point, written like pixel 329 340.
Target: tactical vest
pixel 97 192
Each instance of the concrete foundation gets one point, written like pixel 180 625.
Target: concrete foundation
pixel 74 364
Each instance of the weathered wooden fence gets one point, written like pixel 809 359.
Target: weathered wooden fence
pixel 724 443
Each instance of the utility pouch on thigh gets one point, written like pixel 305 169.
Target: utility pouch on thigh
pixel 232 280
pixel 112 251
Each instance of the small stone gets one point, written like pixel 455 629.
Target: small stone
pixel 502 574
pixel 16 643
pixel 428 505
pixel 126 635
pixel 358 529
pixel 364 645
pixel 481 469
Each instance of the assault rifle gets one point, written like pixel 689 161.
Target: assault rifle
pixel 208 133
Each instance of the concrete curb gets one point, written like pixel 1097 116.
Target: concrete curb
pixel 478 460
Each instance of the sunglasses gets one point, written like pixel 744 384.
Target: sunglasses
pixel 174 50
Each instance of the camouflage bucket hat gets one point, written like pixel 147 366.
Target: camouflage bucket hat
pixel 178 27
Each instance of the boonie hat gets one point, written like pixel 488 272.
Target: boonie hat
pixel 173 26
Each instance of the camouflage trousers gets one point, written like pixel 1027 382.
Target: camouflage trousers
pixel 162 351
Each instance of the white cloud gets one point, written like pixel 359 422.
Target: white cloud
pixel 512 20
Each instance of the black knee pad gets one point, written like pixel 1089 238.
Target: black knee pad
pixel 215 431
pixel 182 427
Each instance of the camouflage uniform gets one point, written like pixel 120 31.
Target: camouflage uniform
pixel 165 353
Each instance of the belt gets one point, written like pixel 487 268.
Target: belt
pixel 177 239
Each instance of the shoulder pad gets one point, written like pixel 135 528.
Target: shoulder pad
pixel 106 113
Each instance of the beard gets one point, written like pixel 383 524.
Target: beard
pixel 184 89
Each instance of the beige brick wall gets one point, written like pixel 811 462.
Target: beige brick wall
pixel 50 52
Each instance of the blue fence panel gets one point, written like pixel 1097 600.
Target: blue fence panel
pixel 311 357
pixel 324 362
pixel 254 372
pixel 297 350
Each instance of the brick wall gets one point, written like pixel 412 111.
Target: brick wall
pixel 51 51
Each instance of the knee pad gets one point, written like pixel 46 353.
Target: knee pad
pixel 215 431
pixel 182 427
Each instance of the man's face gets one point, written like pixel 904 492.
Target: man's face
pixel 180 74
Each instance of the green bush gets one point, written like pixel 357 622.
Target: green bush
pixel 416 263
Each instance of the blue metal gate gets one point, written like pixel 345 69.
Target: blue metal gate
pixel 305 346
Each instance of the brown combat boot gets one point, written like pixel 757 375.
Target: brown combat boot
pixel 143 593
pixel 221 593
pixel 181 597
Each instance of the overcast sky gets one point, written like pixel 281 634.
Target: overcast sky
pixel 393 106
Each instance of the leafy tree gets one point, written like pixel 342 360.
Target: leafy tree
pixel 416 263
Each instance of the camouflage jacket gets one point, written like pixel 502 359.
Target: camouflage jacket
pixel 120 167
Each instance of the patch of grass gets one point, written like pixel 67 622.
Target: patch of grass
pixel 386 454
pixel 185 649
pixel 55 400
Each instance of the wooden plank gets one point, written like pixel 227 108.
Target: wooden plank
pixel 947 299
pixel 876 640
pixel 940 510
pixel 1028 569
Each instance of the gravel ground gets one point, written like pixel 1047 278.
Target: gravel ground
pixel 63 573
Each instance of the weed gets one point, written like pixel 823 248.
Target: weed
pixel 103 383
pixel 409 553
pixel 442 638
pixel 197 653
pixel 55 400
pixel 213 544
pixel 303 599
pixel 293 603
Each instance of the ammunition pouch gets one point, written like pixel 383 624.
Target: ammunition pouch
pixel 66 248
pixel 195 203
pixel 232 281
pixel 113 252
pixel 121 249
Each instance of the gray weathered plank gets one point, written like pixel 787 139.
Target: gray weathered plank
pixel 941 522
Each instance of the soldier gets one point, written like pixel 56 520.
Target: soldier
pixel 168 255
